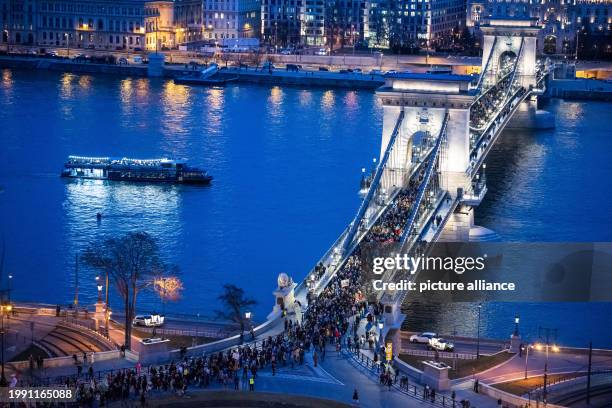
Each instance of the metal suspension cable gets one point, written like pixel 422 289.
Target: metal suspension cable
pixel 511 82
pixel 374 185
pixel 423 186
pixel 486 67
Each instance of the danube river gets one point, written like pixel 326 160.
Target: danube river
pixel 286 163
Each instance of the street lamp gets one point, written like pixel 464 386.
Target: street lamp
pixel 3 310
pixel 10 279
pixel 99 284
pixel 516 325
pixel 526 349
pixel 478 333
pixel 548 332
pixel 8 41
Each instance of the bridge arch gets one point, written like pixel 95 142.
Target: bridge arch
pixel 506 57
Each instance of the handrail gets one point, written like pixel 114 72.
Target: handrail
pixel 486 67
pixel 510 84
pixel 422 187
pixel 374 186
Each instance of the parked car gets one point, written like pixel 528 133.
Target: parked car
pixel 148 320
pixel 422 338
pixel 376 72
pixel 323 69
pixel 321 51
pixel 441 344
pixel 122 61
pixel 357 70
pixel 137 59
pixel 293 67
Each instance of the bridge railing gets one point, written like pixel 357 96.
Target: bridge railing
pixel 423 187
pixel 491 132
pixel 375 183
pixel 401 382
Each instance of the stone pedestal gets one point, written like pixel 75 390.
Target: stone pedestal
pixel 99 315
pixel 515 343
pixel 435 375
pixel 284 295
pixel 151 351
pixel 155 67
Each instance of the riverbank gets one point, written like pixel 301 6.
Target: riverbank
pixel 328 79
pixel 580 89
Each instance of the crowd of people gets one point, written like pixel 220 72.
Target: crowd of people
pixel 390 226
pixel 486 105
pixel 235 368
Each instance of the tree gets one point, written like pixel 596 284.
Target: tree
pixel 235 305
pixel 132 261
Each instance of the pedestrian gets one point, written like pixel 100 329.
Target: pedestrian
pixel 433 395
pixel 355 397
pixel 252 383
pixel 315 358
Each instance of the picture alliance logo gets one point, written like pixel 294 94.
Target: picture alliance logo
pixel 458 265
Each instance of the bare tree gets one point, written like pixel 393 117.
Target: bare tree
pixel 132 261
pixel 235 305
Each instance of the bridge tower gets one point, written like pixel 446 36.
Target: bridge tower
pixel 425 100
pixel 515 37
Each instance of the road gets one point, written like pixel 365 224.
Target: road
pixel 461 346
pixel 561 362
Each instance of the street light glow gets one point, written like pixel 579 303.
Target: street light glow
pixel 538 346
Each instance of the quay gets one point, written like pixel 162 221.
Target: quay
pixel 586 81
pixel 241 75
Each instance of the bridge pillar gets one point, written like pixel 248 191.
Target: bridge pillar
pixel 458 226
pixel 393 319
pixel 425 100
pixel 504 36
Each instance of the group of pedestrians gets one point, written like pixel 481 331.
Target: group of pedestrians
pixel 390 226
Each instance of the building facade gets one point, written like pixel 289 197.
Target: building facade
pixel 159 25
pixel 231 19
pixel 412 23
pixel 94 24
pixel 562 21
pixel 281 22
